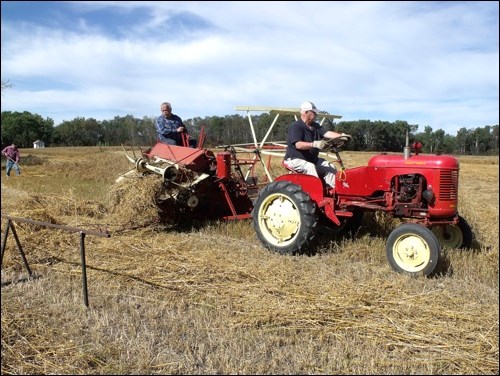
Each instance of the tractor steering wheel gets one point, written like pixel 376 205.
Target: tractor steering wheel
pixel 334 143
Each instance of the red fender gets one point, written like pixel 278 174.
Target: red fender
pixel 314 188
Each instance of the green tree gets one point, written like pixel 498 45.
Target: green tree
pixel 146 131
pixel 115 131
pixel 131 125
pixel 481 140
pixel 215 130
pixel 79 132
pixel 426 139
pixel 24 128
pixel 463 141
pixel 197 128
pixel 438 141
pixel 92 133
pixel 361 138
pixel 68 132
pixel 449 144
pixel 494 140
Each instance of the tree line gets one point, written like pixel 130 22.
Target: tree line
pixel 23 128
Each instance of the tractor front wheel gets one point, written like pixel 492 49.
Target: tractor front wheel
pixel 284 218
pixel 413 249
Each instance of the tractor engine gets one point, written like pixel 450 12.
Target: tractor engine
pixel 407 187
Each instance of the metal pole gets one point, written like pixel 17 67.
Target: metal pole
pixel 4 241
pixel 84 269
pixel 23 256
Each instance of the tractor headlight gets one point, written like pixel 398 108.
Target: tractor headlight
pixel 428 194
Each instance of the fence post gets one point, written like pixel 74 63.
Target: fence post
pixel 19 247
pixel 84 269
pixel 62 227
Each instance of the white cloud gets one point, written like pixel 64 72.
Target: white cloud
pixel 424 62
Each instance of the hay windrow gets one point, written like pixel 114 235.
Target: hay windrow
pixel 132 203
pixel 58 209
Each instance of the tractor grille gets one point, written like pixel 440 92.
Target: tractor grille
pixel 448 187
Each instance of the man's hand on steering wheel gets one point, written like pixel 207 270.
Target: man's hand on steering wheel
pixel 331 143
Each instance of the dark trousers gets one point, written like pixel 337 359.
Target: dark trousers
pixel 176 141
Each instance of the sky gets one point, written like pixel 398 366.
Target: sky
pixel 430 63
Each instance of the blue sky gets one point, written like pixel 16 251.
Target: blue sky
pixel 429 63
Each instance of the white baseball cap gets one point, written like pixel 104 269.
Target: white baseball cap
pixel 308 106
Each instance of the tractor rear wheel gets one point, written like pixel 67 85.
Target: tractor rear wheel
pixel 454 236
pixel 285 218
pixel 413 249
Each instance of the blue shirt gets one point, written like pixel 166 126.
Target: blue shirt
pixel 167 127
pixel 299 131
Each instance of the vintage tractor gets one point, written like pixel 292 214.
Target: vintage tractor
pixel 290 211
pixel 421 190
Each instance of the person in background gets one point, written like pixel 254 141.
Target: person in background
pixel 170 129
pixel 13 157
pixel 304 142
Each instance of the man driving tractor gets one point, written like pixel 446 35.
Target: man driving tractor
pixel 304 142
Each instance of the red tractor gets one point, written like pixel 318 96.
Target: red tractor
pixel 422 190
pixel 289 211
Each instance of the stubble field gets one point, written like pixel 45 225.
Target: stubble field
pixel 212 300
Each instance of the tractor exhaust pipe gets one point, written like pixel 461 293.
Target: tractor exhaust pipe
pixel 406 152
pixel 407 149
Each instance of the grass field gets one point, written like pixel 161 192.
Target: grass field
pixel 212 300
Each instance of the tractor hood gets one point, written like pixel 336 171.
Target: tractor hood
pixel 421 161
pixel 378 175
